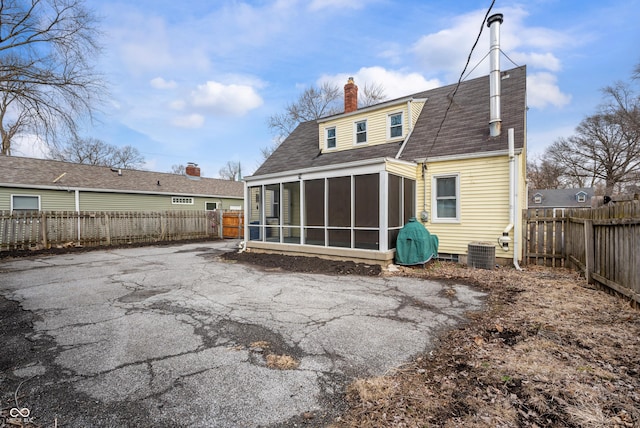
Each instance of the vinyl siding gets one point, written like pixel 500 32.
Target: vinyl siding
pixel 416 109
pixel 484 203
pixel 377 123
pixel 64 200
pixel 401 169
pixel 50 200
pixel 96 201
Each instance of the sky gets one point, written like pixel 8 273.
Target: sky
pixel 196 81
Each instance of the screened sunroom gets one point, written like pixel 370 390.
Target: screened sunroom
pixel 355 211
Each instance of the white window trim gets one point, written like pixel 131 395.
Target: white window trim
pixel 27 196
pixel 537 198
pixel 326 138
pixel 581 197
pixel 181 200
pixel 434 199
pixel 355 132
pixel 208 202
pixel 402 118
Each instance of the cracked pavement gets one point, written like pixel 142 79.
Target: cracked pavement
pixel 174 336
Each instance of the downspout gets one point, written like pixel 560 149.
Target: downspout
pixel 424 215
pixel 513 197
pixel 77 197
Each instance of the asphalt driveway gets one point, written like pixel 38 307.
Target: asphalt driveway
pixel 174 336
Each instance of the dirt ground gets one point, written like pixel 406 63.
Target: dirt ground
pixel 549 351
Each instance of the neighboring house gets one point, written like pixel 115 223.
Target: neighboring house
pixel 48 185
pixel 343 186
pixel 561 198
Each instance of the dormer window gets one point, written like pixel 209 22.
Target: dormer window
pixel 361 132
pixel 537 198
pixel 395 125
pixel 330 138
pixel 581 197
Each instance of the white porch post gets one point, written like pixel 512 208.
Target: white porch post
pixel 383 233
pixel 302 212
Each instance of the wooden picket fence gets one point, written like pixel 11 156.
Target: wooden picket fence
pixel 41 230
pixel 603 242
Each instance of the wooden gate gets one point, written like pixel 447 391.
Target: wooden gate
pixel 232 224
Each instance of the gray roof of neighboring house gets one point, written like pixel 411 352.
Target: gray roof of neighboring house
pixel 465 129
pixel 560 198
pixel 30 172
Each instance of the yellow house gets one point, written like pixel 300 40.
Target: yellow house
pixel 453 157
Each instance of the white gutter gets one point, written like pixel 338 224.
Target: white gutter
pixel 467 156
pixel 309 170
pixel 134 192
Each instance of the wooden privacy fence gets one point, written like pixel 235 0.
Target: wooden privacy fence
pixel 39 230
pixel 602 242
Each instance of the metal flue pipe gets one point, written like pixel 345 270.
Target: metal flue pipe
pixel 495 121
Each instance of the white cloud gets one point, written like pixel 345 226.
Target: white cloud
pixel 396 84
pixel 543 90
pixel 177 105
pixel 160 83
pixel 191 121
pixel 317 5
pixel 546 61
pixel 230 99
pixel 447 50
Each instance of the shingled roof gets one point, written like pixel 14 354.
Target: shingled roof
pixel 561 198
pixel 465 129
pixel 34 173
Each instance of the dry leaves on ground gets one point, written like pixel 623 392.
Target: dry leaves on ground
pixel 547 351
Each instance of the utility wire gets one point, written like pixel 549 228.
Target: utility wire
pixel 460 78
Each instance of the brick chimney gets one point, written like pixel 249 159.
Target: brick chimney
pixel 192 170
pixel 350 96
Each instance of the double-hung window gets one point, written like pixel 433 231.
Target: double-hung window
pixel 330 138
pixel 446 198
pixel 395 125
pixel 361 132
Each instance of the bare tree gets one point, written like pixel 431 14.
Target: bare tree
pixel 315 103
pixel 91 151
pixel 231 171
pixel 312 104
pixel 178 169
pixel 606 146
pixel 372 93
pixel 543 173
pixel 47 79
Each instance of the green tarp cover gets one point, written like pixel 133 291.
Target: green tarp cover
pixel 415 245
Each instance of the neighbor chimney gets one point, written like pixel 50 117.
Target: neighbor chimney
pixel 495 121
pixel 350 96
pixel 192 170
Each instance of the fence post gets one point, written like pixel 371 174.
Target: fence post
pixel 588 250
pixel 107 227
pixel 43 225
